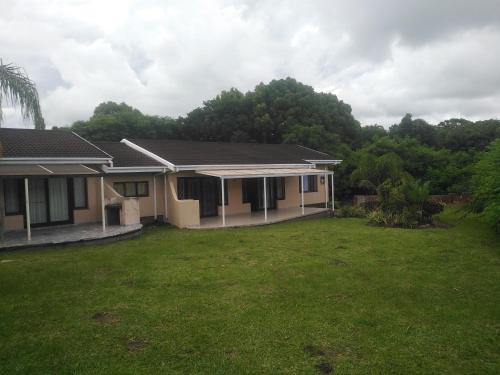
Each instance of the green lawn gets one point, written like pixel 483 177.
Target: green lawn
pixel 278 299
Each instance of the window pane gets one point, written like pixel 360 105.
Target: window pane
pixel 11 196
pixel 119 188
pixel 280 187
pixel 79 192
pixel 142 189
pixel 130 189
pixel 313 183
pixel 306 184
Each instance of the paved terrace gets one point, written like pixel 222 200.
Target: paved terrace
pixel 257 218
pixel 67 234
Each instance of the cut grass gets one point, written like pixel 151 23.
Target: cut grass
pixel 303 298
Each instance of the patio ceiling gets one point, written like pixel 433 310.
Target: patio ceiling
pixel 263 172
pixel 46 170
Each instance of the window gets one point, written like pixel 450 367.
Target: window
pixel 226 194
pixel 280 188
pixel 310 184
pixel 80 193
pixel 12 196
pixel 245 193
pixel 132 189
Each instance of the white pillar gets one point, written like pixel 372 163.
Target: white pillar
pixel 302 193
pixel 28 217
pixel 165 197
pixel 333 195
pixel 326 190
pixel 265 199
pixel 154 199
pixel 103 208
pixel 223 203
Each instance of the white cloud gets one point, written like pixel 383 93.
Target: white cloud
pixel 165 58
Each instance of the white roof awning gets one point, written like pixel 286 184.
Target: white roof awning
pixel 46 170
pixel 263 172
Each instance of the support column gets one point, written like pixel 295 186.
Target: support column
pixel 223 203
pixel 333 195
pixel 103 208
pixel 302 192
pixel 265 199
pixel 155 206
pixel 165 197
pixel 27 202
pixel 326 190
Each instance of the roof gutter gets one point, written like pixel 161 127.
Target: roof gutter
pixel 54 160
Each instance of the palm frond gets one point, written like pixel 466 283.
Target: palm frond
pixel 17 89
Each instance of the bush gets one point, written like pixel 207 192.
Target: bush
pixel 369 206
pixel 350 211
pixel 486 186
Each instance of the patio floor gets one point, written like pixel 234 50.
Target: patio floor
pixel 67 234
pixel 257 218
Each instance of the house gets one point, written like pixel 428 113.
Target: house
pixel 55 177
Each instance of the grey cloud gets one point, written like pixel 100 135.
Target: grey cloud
pixel 385 58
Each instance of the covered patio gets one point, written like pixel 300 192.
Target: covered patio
pixel 266 216
pixel 258 218
pixel 67 234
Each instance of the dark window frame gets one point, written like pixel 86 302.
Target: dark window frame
pixel 136 183
pixel 20 194
pixel 312 183
pixel 85 184
pixel 280 190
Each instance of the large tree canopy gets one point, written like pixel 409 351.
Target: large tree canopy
pixel 286 111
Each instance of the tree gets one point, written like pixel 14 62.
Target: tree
pixel 16 88
pixel 486 185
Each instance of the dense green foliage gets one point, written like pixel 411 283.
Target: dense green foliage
pixel 486 185
pixel 288 111
pixel 279 299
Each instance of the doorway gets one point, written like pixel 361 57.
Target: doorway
pixel 253 193
pixel 203 189
pixel 49 201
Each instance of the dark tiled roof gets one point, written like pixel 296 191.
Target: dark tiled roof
pixel 124 156
pixel 31 143
pixel 210 153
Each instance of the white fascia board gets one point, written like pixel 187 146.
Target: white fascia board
pixel 149 153
pixel 93 145
pixel 325 161
pixel 54 160
pixel 276 175
pixel 107 169
pixel 239 166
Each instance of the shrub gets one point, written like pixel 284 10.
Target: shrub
pixel 486 185
pixel 369 206
pixel 350 211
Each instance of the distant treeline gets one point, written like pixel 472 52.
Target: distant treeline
pixel 287 111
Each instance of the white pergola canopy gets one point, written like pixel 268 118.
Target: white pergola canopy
pixel 45 170
pixel 263 172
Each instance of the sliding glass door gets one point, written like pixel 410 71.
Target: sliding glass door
pixel 49 201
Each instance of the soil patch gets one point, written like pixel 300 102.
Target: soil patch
pixel 135 344
pixel 324 368
pixel 106 318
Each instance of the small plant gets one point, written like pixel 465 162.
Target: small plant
pixel 351 211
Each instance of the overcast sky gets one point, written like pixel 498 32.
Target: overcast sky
pixel 435 59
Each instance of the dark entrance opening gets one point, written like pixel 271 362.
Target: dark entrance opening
pixel 203 189
pixel 253 193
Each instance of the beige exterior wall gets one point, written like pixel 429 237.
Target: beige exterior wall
pixel 14 222
pixel 146 204
pixel 235 203
pixel 92 213
pixel 181 213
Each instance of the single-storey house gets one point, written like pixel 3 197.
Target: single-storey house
pixel 56 177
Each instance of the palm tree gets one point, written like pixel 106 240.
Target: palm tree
pixel 16 88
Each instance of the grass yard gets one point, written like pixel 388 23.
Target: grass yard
pixel 298 298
